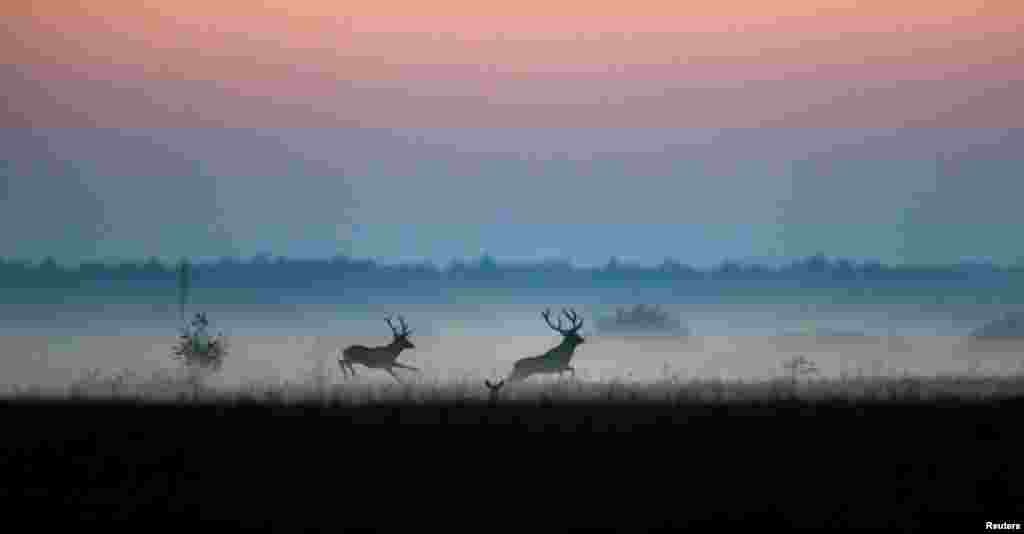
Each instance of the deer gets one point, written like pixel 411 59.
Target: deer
pixel 557 359
pixel 382 357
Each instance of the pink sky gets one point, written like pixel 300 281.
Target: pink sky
pixel 392 64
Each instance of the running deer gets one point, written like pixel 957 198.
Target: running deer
pixel 382 357
pixel 557 359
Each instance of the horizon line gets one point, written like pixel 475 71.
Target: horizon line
pixel 774 262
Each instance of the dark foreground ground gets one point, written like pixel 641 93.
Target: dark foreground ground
pixel 937 465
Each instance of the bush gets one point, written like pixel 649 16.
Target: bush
pixel 196 349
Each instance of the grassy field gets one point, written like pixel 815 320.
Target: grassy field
pixel 893 453
pixel 176 386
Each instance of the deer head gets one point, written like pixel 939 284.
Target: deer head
pixel 401 338
pixel 495 389
pixel 571 333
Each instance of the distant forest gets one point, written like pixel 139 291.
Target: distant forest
pixel 268 271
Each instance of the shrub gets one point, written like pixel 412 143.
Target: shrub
pixel 196 349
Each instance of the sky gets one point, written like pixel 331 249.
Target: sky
pixel 408 130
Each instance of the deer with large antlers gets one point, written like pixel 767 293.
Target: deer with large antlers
pixel 557 359
pixel 382 357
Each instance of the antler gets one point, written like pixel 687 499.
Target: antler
pixel 405 328
pixel 546 314
pixel 575 321
pixel 393 329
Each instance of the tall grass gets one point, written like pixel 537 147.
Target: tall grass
pixel 182 385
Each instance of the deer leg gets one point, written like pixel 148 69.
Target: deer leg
pixel 344 371
pixel 393 375
pixel 403 366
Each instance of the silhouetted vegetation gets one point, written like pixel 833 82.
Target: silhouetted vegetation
pixel 641 319
pixel 279 272
pixel 196 348
pixel 881 453
pixel 1009 327
pixel 799 367
pixel 800 382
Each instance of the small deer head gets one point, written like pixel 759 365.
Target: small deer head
pixel 401 337
pixel 571 333
pixel 495 389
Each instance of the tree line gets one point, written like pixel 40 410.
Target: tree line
pixel 267 270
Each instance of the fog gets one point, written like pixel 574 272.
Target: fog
pixel 50 345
